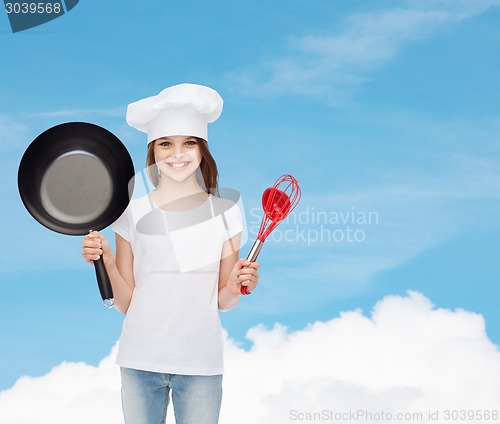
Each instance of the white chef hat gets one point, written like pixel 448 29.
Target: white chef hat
pixel 183 109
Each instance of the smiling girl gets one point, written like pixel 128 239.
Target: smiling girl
pixel 176 265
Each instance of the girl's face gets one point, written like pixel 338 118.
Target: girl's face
pixel 177 157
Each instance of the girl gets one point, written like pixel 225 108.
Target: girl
pixel 176 265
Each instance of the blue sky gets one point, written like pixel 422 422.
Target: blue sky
pixel 389 108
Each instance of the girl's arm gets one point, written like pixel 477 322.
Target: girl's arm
pixel 234 273
pixel 120 271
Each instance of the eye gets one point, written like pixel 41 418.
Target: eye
pixel 191 142
pixel 164 143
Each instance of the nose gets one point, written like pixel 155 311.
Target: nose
pixel 178 151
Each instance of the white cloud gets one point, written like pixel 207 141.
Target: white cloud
pixel 71 393
pixel 13 134
pixel 406 357
pixel 323 65
pixel 117 112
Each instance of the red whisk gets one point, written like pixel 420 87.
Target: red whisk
pixel 277 201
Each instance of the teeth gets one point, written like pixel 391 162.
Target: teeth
pixel 178 164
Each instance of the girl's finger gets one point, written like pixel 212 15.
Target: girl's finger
pixel 246 280
pixel 91 245
pixel 249 272
pixel 252 265
pixel 90 258
pixel 250 285
pixel 92 251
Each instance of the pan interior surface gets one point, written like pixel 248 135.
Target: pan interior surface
pixel 76 188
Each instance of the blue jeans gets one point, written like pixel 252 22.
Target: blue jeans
pixel 145 397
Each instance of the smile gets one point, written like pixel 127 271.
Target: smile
pixel 178 165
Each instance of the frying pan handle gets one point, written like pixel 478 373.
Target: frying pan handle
pixel 104 283
pixel 252 257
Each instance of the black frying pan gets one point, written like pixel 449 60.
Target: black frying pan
pixel 74 178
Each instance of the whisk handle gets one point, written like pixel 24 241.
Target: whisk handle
pixel 252 257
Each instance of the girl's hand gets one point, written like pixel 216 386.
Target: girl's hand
pixel 94 245
pixel 244 273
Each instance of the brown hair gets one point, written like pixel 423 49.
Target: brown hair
pixel 208 167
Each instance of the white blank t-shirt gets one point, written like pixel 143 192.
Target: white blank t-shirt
pixel 172 324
